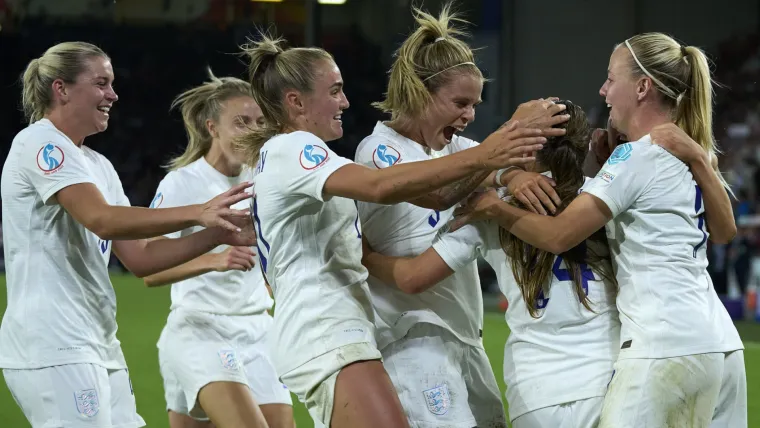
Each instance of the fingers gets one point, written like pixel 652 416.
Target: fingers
pixel 459 222
pixel 238 188
pixel 547 186
pixel 557 119
pixel 246 262
pixel 526 202
pixel 232 200
pixel 556 108
pixel 518 161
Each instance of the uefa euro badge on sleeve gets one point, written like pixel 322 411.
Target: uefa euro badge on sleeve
pixel 621 154
pixel 229 360
pixel 385 156
pixel 87 402
pixel 438 400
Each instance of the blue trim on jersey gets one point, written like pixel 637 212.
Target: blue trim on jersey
pixel 260 235
pixel 701 221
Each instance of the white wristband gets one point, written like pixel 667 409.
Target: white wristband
pixel 497 178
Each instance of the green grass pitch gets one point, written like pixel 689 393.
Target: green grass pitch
pixel 142 314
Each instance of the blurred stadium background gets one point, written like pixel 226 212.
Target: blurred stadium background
pixel 529 49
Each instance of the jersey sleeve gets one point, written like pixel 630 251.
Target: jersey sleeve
pixel 460 248
pixel 377 153
pixel 116 188
pixel 169 195
pixel 624 177
pixel 302 163
pixel 52 163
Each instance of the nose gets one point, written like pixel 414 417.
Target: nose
pixel 603 90
pixel 111 95
pixel 344 104
pixel 469 114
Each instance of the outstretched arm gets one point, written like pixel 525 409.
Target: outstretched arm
pixel 411 275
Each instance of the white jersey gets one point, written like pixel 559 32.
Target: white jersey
pixel 564 355
pixel 310 249
pixel 61 304
pixel 668 306
pixel 404 230
pixel 223 293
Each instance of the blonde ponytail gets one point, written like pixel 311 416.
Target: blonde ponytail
pixel 426 60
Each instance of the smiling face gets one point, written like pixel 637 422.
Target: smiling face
pixel 451 109
pixel 620 89
pixel 88 100
pixel 323 106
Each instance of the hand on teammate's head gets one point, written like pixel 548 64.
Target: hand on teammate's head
pixel 543 114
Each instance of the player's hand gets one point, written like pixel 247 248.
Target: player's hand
pixel 535 191
pixel 246 237
pixel 510 145
pixel 542 114
pixel 673 139
pixel 479 206
pixel 604 142
pixel 217 211
pixel 235 258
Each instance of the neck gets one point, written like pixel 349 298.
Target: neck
pixel 644 121
pixel 67 125
pixel 222 163
pixel 407 128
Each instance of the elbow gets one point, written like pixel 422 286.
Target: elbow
pixel 410 284
pixel 382 193
pixel 725 237
pixel 561 244
pixel 101 227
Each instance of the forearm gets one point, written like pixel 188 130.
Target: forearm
pixel 405 182
pixel 128 223
pixel 162 254
pixel 449 195
pixel 196 267
pixel 534 229
pixel 718 210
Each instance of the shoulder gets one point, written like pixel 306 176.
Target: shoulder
pixel 379 151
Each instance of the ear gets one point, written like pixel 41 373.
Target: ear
pixel 59 90
pixel 643 88
pixel 211 128
pixel 294 101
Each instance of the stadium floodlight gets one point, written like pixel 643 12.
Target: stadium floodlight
pixel 331 1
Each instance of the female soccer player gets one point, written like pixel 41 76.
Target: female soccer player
pixel 214 352
pixel 433 90
pixel 564 326
pixel 64 210
pixel 309 235
pixel 681 358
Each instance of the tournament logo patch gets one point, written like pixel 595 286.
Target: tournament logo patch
pixel 50 158
pixel 157 200
pixel 437 399
pixel 87 402
pixel 229 359
pixel 312 156
pixel 621 154
pixel 606 176
pixel 385 156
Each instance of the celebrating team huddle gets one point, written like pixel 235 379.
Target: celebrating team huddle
pixel 597 237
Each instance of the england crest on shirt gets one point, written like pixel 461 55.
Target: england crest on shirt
pixel 437 399
pixel 87 402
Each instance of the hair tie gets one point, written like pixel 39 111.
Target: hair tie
pixel 684 52
pixel 438 39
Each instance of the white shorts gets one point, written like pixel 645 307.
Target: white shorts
pixel 442 382
pixel 314 381
pixel 576 414
pixel 74 395
pixel 704 390
pixel 196 349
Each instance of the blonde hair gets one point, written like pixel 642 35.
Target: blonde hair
pixel 682 75
pixel 272 71
pixel 200 104
pixel 65 61
pixel 426 61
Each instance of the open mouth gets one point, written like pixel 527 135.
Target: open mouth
pixel 105 110
pixel 449 132
pixel 338 118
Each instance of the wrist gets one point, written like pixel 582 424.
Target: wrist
pixel 505 175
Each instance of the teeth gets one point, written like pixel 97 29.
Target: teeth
pixel 609 105
pixel 104 109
